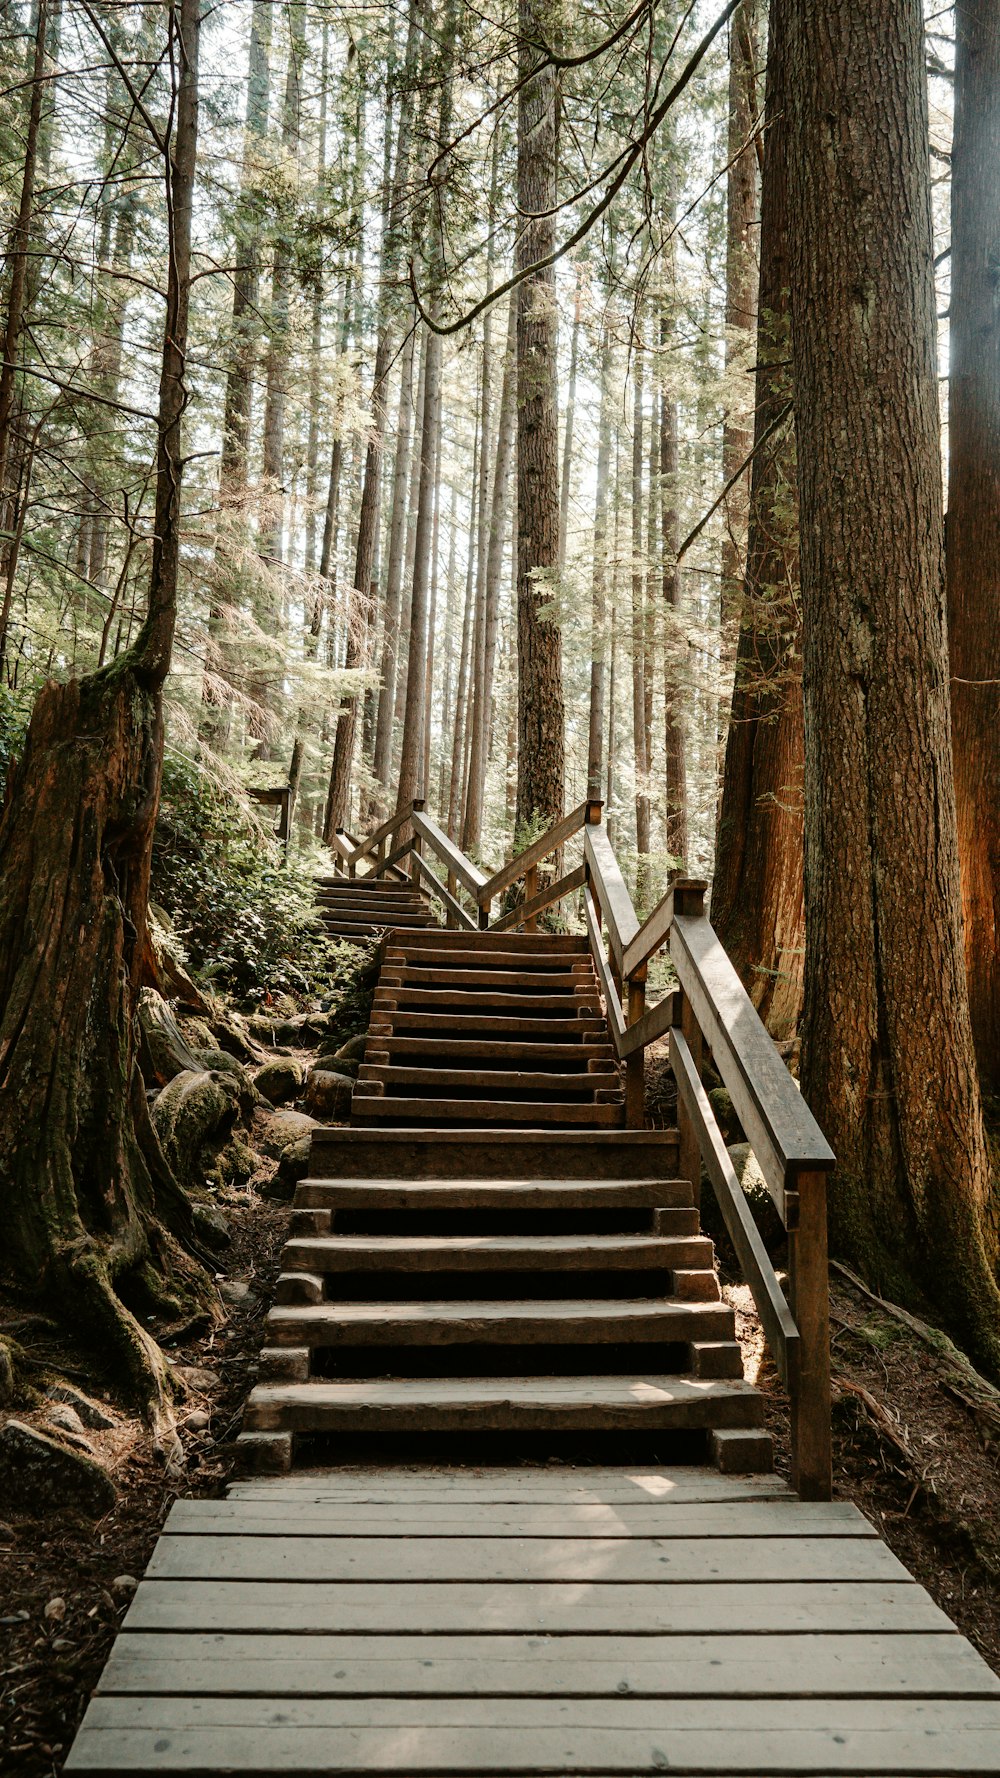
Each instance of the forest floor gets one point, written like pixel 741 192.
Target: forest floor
pixel 915 1446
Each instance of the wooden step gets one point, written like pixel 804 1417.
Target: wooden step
pixel 419 999
pixel 474 957
pixel 369 906
pixel 574 1055
pixel 407 1021
pixel 549 1321
pixel 391 921
pixel 475 1112
pixel 495 1253
pixel 528 1080
pixel 492 1194
pixel 553 943
pixel 508 1404
pixel 497 980
pixel 344 1153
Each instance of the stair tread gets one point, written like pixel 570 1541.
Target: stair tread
pixel 474 1112
pixel 560 1321
pixel 533 1078
pixel 513 1194
pixel 591 1252
pixel 497 1049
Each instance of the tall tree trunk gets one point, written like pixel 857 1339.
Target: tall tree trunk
pixel 279 340
pixel 540 713
pixel 394 568
pixel 16 302
pixel 599 593
pixel 639 624
pixel 974 510
pixel 568 429
pixel 410 783
pixel 888 1064
pixel 741 303
pixel 497 535
pixel 368 515
pixel 86 1191
pixel 757 896
pixel 675 835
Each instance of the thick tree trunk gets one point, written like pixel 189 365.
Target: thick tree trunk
pixel 888 1064
pixel 279 341
pixel 639 753
pixel 757 896
pixel 394 568
pixel 675 835
pixel 974 510
pixel 86 1191
pixel 570 423
pixel 599 584
pixel 540 726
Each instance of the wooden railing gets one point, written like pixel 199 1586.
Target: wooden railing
pixel 708 1012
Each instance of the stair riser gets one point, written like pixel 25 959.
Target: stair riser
pixel 475 1113
pixel 314 1256
pixel 450 1154
pixel 741 1412
pixel 681 1325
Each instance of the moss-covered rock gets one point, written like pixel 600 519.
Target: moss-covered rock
pixel 280 1080
pixel 328 1094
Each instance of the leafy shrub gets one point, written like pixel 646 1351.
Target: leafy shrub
pixel 245 915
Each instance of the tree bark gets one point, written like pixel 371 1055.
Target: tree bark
pixel 741 303
pixel 888 1064
pixel 541 722
pixel 758 895
pixel 86 1191
pixel 974 511
pixel 599 584
pixel 675 835
pixel 639 754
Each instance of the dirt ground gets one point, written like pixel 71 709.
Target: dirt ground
pixel 913 1448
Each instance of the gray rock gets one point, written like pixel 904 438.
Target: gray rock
pixel 93 1413
pixel 328 1095
pixel 196 1377
pixel 55 1610
pixel 65 1417
pixel 282 1128
pixel 124 1584
pixel 198 1421
pixel 38 1474
pixel 211 1225
pixel 235 1291
pixel 353 1050
pixel 280 1081
pixel 293 1165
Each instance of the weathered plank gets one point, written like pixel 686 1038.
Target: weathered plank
pixel 441 1322
pixel 609 1735
pixel 608 1560
pixel 686 1608
pixel 550 1666
pixel 263 1517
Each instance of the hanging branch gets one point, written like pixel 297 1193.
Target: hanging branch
pixel 632 155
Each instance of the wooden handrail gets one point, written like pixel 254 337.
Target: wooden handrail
pixel 546 898
pixel 441 890
pixel 610 891
pixel 613 1006
pixel 381 833
pixel 449 854
pixel 779 1126
pixel 547 842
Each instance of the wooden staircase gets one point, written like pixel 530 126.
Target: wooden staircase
pixel 502 1285
pixel 488 1028
pixel 356 908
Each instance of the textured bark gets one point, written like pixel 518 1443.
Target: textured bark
pixel 540 724
pixel 394 568
pixel 888 1064
pixel 86 1192
pixel 567 451
pixel 757 896
pixel 246 252
pixel 639 751
pixel 675 801
pixel 279 340
pixel 974 510
pixel 599 583
pixel 741 301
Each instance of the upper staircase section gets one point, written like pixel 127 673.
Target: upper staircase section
pixel 490 1028
pixel 357 908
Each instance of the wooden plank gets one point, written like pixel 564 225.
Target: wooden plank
pixel 364 847
pixel 451 857
pixel 624 1736
pixel 266 1517
pixel 442 1322
pixel 493 1194
pixel 693 1608
pixel 651 1026
pixel 611 893
pixel 665 1562
pixel 444 894
pixel 476 1253
pixel 561 1484
pixel 755 1264
pixel 616 1018
pixel 550 841
pixel 781 1129
pixel 545 898
pixel 731 1665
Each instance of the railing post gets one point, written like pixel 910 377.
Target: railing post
pixel 530 889
pixel 809 1279
pixel 418 804
pixel 689 898
pixel 635 1065
pixel 452 885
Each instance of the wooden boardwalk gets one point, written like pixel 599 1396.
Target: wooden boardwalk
pixel 533 1621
